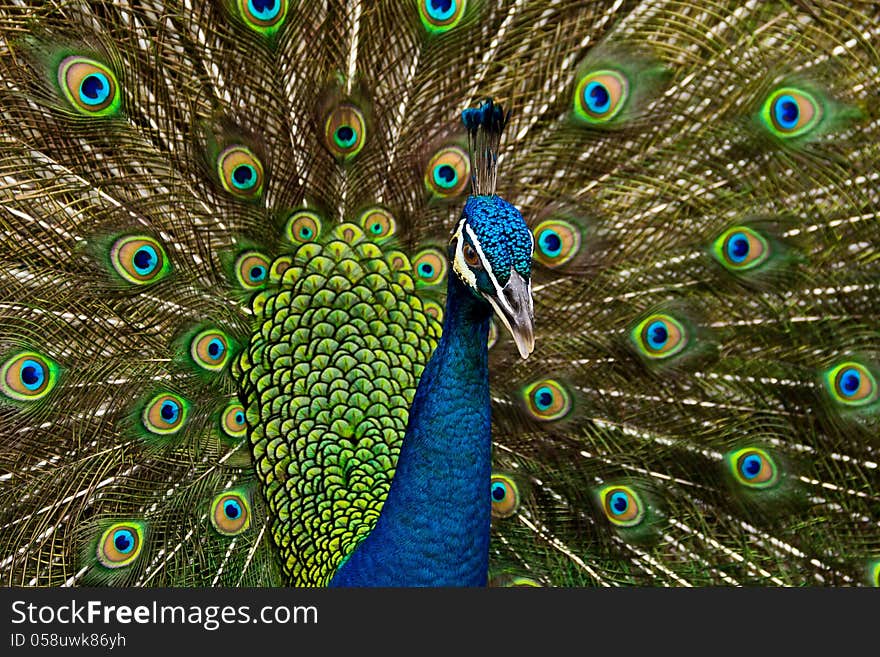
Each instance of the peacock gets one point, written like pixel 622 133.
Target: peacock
pixel 439 292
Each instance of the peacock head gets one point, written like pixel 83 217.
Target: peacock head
pixel 491 254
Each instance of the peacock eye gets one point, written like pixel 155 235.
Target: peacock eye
pixel 264 16
pixel 233 422
pixel 741 248
pixel 240 172
pixel 28 376
pixel 659 336
pixel 448 172
pixel 547 400
pixel 139 259
pixel 89 86
pixel 556 242
pixel 303 226
pixel 378 223
pixel 600 96
pixel 622 505
pixel 120 544
pixel 252 270
pixel 791 112
pixel 471 257
pixel 345 131
pixel 505 496
pixel 851 384
pixel 441 15
pixel 210 349
pixel 165 414
pixel 753 467
pixel 429 267
pixel 230 513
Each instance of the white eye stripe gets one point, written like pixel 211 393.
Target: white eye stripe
pixel 458 263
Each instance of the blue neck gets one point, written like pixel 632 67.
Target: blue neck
pixel 434 527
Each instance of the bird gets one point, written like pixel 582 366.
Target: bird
pixel 268 264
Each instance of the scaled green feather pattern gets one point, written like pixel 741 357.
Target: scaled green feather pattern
pixel 328 379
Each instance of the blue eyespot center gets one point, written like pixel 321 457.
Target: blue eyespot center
pixel 216 348
pixel 426 270
pixel 345 135
pixel 738 247
pixel 499 492
pixel 170 411
pixel 441 9
pixel 445 175
pixel 258 273
pixel 264 10
pixel 244 176
pixel 305 232
pixel 123 540
pixel 597 97
pixel 850 382
pixel 550 243
pixel 145 260
pixel 32 374
pixel 619 503
pixel 239 418
pixel 787 112
pixel 94 89
pixel 751 466
pixel 376 228
pixel 232 509
pixel 543 398
pixel 657 334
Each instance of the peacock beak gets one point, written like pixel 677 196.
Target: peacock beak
pixel 514 307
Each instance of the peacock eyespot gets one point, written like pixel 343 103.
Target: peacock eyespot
pixel 165 414
pixel 240 172
pixel 448 173
pixel 303 226
pixel 441 15
pixel 789 112
pixel 120 544
pixel 753 467
pixel 471 257
pixel 622 505
pixel 233 421
pixel 740 248
pixel 659 336
pixel 851 384
pixel 557 242
pixel 378 223
pixel 139 259
pixel 263 16
pixel 231 513
pixel 429 267
pixel 547 400
pixel 89 86
pixel 505 496
pixel 28 376
pixel 345 131
pixel 600 96
pixel 210 349
pixel 874 570
pixel 252 270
